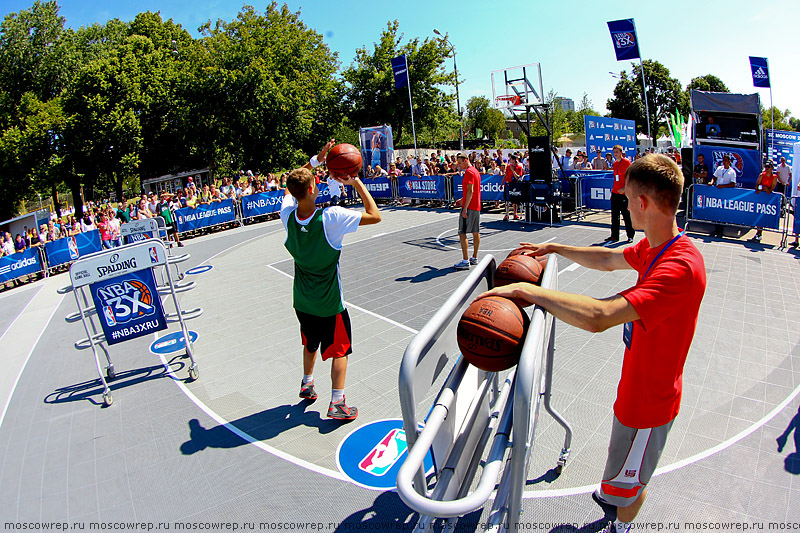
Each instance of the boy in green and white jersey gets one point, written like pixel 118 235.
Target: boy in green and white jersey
pixel 314 239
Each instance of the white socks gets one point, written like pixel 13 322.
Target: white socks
pixel 337 395
pixel 308 379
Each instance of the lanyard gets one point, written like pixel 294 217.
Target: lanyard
pixel 664 249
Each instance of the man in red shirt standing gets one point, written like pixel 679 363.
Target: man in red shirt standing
pixel 514 172
pixel 659 314
pixel 469 220
pixel 619 204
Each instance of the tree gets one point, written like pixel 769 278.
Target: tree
pixel 575 120
pixel 482 116
pixel 372 98
pixel 782 119
pixel 663 96
pixel 709 82
pixel 34 67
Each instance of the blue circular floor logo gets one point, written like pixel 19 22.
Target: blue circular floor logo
pixel 171 343
pixel 371 455
pixel 199 269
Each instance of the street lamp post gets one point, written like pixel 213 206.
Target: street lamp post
pixel 458 101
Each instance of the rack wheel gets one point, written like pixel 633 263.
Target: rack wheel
pixel 194 373
pixel 110 374
pixel 107 399
pixel 559 468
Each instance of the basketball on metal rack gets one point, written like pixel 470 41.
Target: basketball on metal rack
pixel 491 333
pixel 344 160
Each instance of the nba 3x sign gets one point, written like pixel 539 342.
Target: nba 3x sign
pixel 623 34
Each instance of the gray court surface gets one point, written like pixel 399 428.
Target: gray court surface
pixel 238 446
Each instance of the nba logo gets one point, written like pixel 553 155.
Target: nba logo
pixel 153 254
pixel 73 248
pixel 699 200
pixel 385 454
pixel 109 314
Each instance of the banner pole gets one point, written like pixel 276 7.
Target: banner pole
pixel 411 105
pixel 646 105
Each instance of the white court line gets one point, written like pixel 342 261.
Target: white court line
pixel 20 314
pixel 27 358
pixel 570 268
pixel 440 243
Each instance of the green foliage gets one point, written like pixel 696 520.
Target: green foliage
pixel 481 115
pixel 664 95
pixel 372 99
pixel 782 119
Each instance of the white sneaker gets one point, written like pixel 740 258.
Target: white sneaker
pixel 473 260
pixel 462 265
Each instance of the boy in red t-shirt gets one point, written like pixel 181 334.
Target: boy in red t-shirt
pixel 469 220
pixel 619 204
pixel 660 316
pixel 514 172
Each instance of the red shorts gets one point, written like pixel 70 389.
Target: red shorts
pixel 331 334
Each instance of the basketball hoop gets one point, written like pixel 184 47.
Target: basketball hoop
pixel 507 100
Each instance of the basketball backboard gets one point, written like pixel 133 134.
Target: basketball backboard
pixel 514 88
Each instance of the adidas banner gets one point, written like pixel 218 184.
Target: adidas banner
pixel 19 264
pixel 760 69
pixel 491 187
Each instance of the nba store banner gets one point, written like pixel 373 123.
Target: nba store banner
pixel 604 133
pixel 742 207
pixel 70 248
pixel 423 187
pixel 204 215
pixel 20 264
pixel 746 163
pixel 780 143
pixel 491 187
pixel 129 306
pixel 261 203
pixel 377 147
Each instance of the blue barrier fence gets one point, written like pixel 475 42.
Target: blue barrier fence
pixel 21 264
pixel 70 248
pixel 741 207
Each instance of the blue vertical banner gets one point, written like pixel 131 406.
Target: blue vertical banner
pixel 377 147
pixel 760 69
pixel 604 133
pixel 400 71
pixel 129 306
pixel 623 35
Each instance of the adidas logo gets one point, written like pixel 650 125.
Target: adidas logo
pixel 759 73
pixel 303 229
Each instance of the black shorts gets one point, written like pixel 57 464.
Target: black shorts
pixel 331 334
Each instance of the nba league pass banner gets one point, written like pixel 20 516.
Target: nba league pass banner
pixel 70 248
pixel 129 306
pixel 604 133
pixel 377 147
pixel 780 143
pixel 491 187
pixel 746 163
pixel 204 215
pixel 20 264
pixel 422 187
pixel 742 207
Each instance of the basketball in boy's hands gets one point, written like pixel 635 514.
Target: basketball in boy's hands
pixel 344 160
pixel 491 333
pixel 516 268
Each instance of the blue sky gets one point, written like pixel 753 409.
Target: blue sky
pixel 569 39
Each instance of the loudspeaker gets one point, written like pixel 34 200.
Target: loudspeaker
pixel 540 158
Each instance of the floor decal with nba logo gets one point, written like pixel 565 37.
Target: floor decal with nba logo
pixel 371 455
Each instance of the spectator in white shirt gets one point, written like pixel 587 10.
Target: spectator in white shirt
pixel 784 172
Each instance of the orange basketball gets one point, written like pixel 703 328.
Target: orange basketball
pixel 344 160
pixel 516 268
pixel 491 333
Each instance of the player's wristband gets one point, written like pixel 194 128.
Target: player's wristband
pixel 314 162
